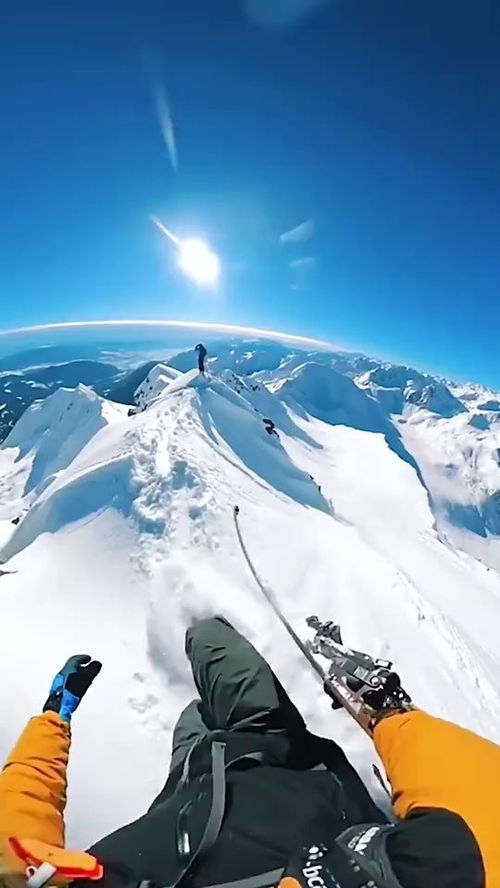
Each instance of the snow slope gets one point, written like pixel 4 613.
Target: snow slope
pixel 158 378
pixel 127 534
pixel 452 433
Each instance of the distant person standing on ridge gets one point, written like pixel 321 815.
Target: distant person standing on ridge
pixel 202 353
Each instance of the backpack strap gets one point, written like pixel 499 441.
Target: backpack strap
pixel 215 817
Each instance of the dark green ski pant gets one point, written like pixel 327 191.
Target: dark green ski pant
pixel 237 688
pixel 239 694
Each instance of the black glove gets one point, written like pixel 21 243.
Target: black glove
pixel 71 684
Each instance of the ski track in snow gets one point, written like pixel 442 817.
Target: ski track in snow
pixel 127 536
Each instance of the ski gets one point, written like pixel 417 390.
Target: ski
pixel 268 595
pixel 367 688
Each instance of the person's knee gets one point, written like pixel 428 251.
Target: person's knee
pixel 204 630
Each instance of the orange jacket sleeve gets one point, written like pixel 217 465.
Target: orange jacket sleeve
pixel 33 782
pixel 431 763
pixel 32 803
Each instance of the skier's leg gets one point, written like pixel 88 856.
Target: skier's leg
pixel 236 685
pixel 190 729
pixel 188 732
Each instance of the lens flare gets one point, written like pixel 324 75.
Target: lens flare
pixel 195 258
pixel 198 262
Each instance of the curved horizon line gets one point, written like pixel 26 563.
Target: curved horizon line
pixel 266 334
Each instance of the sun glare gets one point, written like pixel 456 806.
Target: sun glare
pixel 198 261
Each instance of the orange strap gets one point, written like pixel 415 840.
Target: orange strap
pixel 69 865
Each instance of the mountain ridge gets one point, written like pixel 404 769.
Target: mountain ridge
pixel 125 535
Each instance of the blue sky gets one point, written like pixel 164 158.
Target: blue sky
pixel 378 120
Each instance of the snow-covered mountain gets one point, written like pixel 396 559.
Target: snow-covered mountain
pixel 453 433
pixel 116 369
pixel 20 387
pixel 368 494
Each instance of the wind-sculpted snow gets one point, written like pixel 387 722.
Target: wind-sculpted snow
pixel 56 430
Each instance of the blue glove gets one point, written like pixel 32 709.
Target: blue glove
pixel 70 685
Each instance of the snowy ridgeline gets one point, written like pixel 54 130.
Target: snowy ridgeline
pixel 368 495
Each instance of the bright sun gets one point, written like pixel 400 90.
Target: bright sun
pixel 198 261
